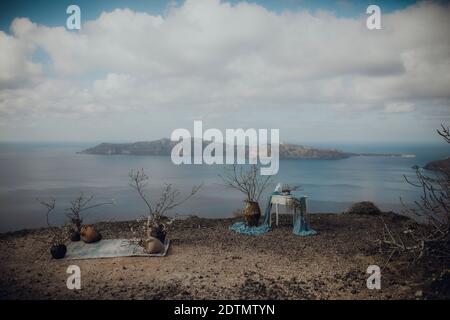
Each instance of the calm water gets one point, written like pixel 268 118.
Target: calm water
pixel 30 171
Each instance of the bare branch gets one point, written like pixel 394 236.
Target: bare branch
pixel 167 201
pixel 80 205
pixel 59 235
pixel 444 133
pixel 433 209
pixel 139 182
pixel 249 182
pixel 50 205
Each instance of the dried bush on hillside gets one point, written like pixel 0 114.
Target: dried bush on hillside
pixel 364 207
pixel 430 237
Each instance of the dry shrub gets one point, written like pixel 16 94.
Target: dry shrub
pixel 428 238
pixel 364 208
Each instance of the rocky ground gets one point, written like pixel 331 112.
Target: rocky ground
pixel 208 261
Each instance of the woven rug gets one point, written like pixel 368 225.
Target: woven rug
pixel 110 248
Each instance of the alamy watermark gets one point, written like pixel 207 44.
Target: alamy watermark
pixel 373 22
pixel 240 146
pixel 374 280
pixel 74 280
pixel 73 21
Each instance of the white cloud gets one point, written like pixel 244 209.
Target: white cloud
pixel 208 55
pixel 15 65
pixel 399 107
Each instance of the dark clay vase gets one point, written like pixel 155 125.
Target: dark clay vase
pixel 58 251
pixel 158 233
pixel 252 213
pixel 75 236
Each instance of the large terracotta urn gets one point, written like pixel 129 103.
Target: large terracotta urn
pixel 252 213
pixel 90 234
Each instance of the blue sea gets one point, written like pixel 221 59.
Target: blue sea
pixel 38 171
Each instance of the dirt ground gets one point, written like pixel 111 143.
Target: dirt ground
pixel 208 261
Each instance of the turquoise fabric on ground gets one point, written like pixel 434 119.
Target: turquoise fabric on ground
pixel 301 227
pixel 241 227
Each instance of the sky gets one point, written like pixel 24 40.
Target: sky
pixel 137 70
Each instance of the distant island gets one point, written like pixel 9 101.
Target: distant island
pixel 438 165
pixel 163 147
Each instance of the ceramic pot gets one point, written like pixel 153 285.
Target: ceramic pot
pixel 89 234
pixel 75 236
pixel 157 232
pixel 252 213
pixel 58 251
pixel 152 245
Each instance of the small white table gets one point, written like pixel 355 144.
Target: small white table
pixel 285 200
